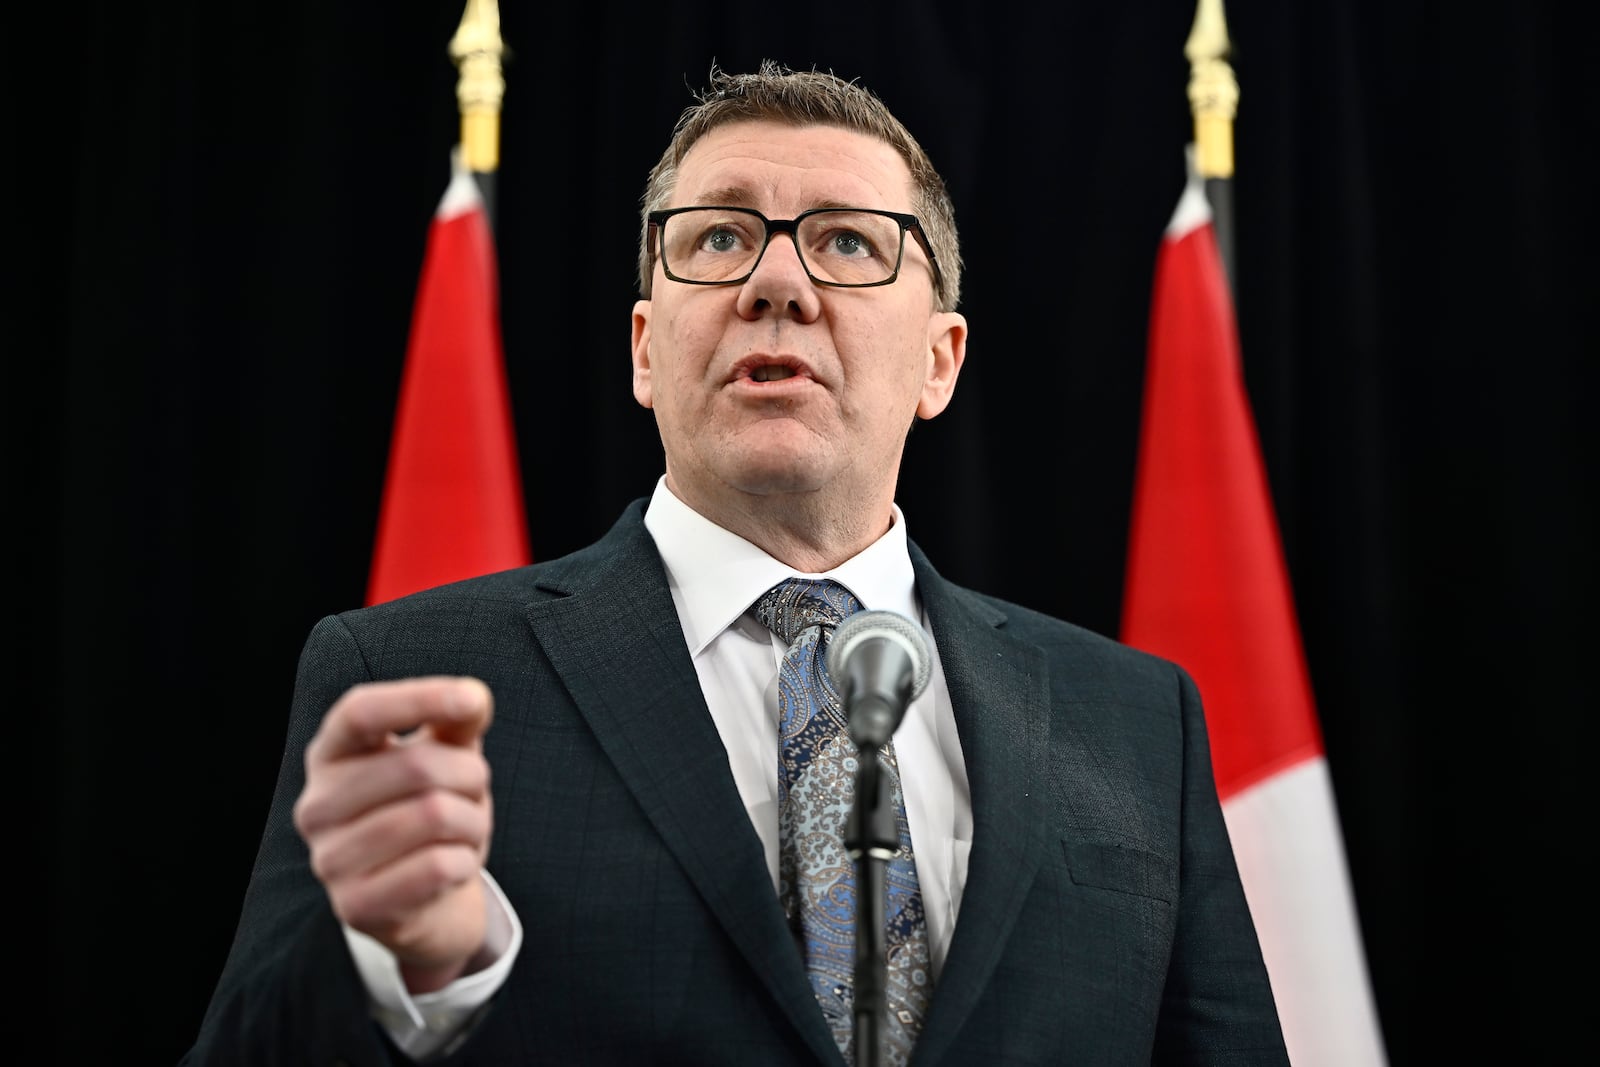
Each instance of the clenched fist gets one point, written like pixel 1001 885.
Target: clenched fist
pixel 397 813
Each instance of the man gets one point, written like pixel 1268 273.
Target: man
pixel 626 886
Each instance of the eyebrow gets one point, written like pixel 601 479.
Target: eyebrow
pixel 731 195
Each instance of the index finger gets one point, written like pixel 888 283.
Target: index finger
pixel 368 715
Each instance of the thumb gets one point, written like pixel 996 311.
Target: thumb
pixel 464 713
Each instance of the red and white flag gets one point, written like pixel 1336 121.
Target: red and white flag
pixel 452 498
pixel 1207 586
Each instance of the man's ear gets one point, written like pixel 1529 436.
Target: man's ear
pixel 947 350
pixel 641 354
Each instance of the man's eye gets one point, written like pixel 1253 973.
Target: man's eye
pixel 852 245
pixel 724 237
pixel 722 240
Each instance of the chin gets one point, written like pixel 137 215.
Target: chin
pixel 764 472
pixel 786 462
pixel 766 482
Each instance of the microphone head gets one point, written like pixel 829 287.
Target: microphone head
pixel 889 625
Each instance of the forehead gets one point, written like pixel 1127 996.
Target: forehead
pixel 782 169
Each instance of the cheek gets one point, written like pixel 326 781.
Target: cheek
pixel 886 390
pixel 681 349
pixel 902 360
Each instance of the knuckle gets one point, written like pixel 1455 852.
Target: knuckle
pixel 322 866
pixel 413 767
pixel 434 811
pixel 448 866
pixel 304 814
pixel 361 716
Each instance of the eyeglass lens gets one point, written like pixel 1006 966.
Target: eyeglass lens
pixel 843 247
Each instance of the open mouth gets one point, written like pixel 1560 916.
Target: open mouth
pixel 771 373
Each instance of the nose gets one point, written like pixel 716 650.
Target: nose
pixel 780 283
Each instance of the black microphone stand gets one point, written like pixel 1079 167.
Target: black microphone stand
pixel 871 839
pixel 877 679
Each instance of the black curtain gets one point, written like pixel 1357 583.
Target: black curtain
pixel 224 210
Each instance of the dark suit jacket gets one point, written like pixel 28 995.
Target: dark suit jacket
pixel 1102 920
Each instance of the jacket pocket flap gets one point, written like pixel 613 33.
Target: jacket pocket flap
pixel 1124 870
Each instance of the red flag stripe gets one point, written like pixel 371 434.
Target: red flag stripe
pixel 1206 582
pixel 452 499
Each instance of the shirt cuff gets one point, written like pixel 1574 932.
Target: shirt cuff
pixel 430 1024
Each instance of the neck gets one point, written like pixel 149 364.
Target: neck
pixel 803 530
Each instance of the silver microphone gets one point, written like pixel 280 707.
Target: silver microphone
pixel 880 661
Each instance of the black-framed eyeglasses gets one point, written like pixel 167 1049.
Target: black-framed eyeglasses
pixel 848 247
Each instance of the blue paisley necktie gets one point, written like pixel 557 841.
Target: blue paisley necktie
pixel 816 789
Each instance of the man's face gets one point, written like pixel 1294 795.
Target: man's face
pixel 778 385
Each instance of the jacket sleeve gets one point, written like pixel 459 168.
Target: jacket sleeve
pixel 1217 1007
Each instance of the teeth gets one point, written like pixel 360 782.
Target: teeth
pixel 771 374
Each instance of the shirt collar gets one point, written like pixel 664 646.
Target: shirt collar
pixel 715 575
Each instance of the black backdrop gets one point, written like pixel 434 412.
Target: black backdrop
pixel 230 202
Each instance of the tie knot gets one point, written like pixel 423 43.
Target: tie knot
pixel 791 607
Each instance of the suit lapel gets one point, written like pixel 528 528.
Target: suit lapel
pixel 615 640
pixel 612 634
pixel 999 690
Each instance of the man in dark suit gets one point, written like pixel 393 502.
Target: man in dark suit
pixel 605 874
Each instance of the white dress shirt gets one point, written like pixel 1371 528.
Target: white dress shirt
pixel 716 577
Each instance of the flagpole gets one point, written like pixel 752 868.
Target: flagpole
pixel 478 50
pixel 1213 100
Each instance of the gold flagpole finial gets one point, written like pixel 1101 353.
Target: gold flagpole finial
pixel 1213 91
pixel 477 50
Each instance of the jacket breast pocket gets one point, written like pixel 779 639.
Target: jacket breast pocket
pixel 1121 870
